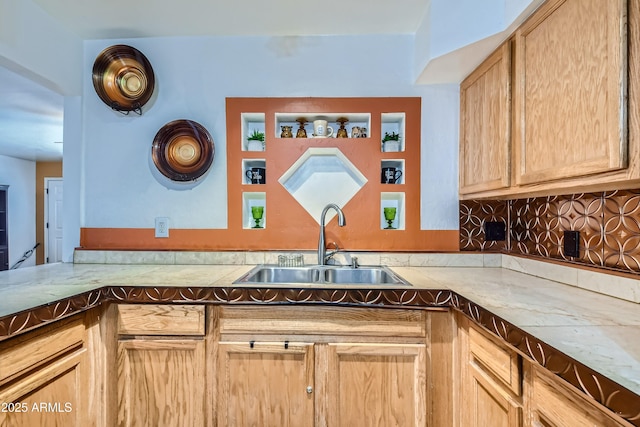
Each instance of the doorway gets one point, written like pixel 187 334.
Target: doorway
pixel 53 220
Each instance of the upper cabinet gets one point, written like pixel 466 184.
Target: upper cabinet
pixel 570 91
pixel 485 107
pixel 573 108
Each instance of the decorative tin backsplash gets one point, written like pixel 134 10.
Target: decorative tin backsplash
pixel 608 222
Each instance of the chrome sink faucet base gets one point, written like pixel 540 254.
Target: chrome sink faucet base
pixel 322 250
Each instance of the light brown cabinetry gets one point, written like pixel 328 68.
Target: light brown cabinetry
pixel 265 384
pixel 44 378
pixel 376 384
pixel 573 107
pixel 485 125
pixel 553 404
pixel 490 389
pixel 322 366
pixel 570 109
pixel 160 365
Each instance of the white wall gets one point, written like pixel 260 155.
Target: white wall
pixel 36 46
pixel 195 75
pixel 73 176
pixel 20 175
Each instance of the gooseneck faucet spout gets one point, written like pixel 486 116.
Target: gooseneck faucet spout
pixel 322 250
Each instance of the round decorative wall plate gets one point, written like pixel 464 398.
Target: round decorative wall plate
pixel 123 78
pixel 183 150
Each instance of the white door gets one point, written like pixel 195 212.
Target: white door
pixel 53 220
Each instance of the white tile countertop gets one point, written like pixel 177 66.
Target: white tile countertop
pixel 599 331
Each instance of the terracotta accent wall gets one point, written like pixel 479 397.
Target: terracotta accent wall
pixel 608 222
pixel 43 170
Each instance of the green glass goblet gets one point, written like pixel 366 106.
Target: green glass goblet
pixel 256 213
pixel 390 215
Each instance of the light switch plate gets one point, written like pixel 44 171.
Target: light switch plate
pixel 162 227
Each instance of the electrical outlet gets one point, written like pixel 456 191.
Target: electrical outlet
pixel 162 227
pixel 495 231
pixel 571 243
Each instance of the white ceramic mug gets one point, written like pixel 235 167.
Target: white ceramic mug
pixel 321 130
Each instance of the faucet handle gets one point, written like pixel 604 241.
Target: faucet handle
pixel 330 254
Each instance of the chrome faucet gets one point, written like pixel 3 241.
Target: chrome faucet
pixel 322 250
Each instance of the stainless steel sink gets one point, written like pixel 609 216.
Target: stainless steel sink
pixel 322 275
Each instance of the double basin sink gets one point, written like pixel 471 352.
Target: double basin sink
pixel 322 275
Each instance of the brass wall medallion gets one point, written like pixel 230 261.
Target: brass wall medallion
pixel 123 78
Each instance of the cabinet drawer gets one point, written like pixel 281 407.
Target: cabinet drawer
pixel 39 347
pixel 556 404
pixel 328 321
pixel 156 319
pixel 496 359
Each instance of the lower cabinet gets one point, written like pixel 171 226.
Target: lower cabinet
pixel 160 365
pixel 490 386
pixel 376 385
pixel 161 382
pixel 265 384
pixel 44 378
pixel 554 404
pixel 352 367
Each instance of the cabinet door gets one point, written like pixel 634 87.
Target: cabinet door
pixel 265 384
pixel 570 91
pixel 485 125
pixel 373 385
pixel 485 403
pixel 554 404
pixel 50 396
pixel 161 382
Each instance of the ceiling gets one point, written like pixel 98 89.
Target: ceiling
pixel 104 19
pixel 31 116
pixel 30 119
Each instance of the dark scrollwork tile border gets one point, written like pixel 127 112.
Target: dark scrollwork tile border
pixel 605 391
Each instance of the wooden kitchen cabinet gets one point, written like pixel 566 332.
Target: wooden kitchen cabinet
pixel 570 107
pixel 265 384
pixel 490 386
pixel 295 366
pixel 44 378
pixel 376 384
pixel 574 76
pixel 554 404
pixel 161 365
pixel 485 125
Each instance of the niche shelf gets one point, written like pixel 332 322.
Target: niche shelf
pixel 250 200
pixel 398 165
pixel 393 123
pixel 249 123
pixel 248 164
pixel 393 200
pixel 361 120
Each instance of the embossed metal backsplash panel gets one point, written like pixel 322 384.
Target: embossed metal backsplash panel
pixel 608 222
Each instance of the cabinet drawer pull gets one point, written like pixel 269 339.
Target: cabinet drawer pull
pixel 286 345
pixel 251 343
pixel 309 389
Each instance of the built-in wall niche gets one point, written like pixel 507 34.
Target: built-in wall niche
pixel 392 124
pixel 252 216
pixel 361 121
pixel 392 171
pixel 254 171
pixel 392 211
pixel 252 122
